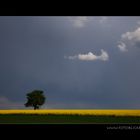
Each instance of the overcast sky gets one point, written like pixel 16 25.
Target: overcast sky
pixel 79 62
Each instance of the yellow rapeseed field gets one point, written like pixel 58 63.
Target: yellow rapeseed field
pixel 75 112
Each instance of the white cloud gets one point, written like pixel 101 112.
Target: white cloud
pixel 90 56
pixel 122 47
pixel 129 38
pixel 79 21
pixel 103 19
pixel 133 36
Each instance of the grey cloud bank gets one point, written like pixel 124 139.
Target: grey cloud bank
pixel 32 51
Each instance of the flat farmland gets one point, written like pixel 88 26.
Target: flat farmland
pixel 69 116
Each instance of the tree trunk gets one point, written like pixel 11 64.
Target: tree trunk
pixel 36 107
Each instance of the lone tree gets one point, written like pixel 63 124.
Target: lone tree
pixel 35 99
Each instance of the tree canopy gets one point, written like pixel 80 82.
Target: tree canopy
pixel 35 99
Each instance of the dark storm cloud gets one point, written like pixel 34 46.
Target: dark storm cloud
pixel 32 51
